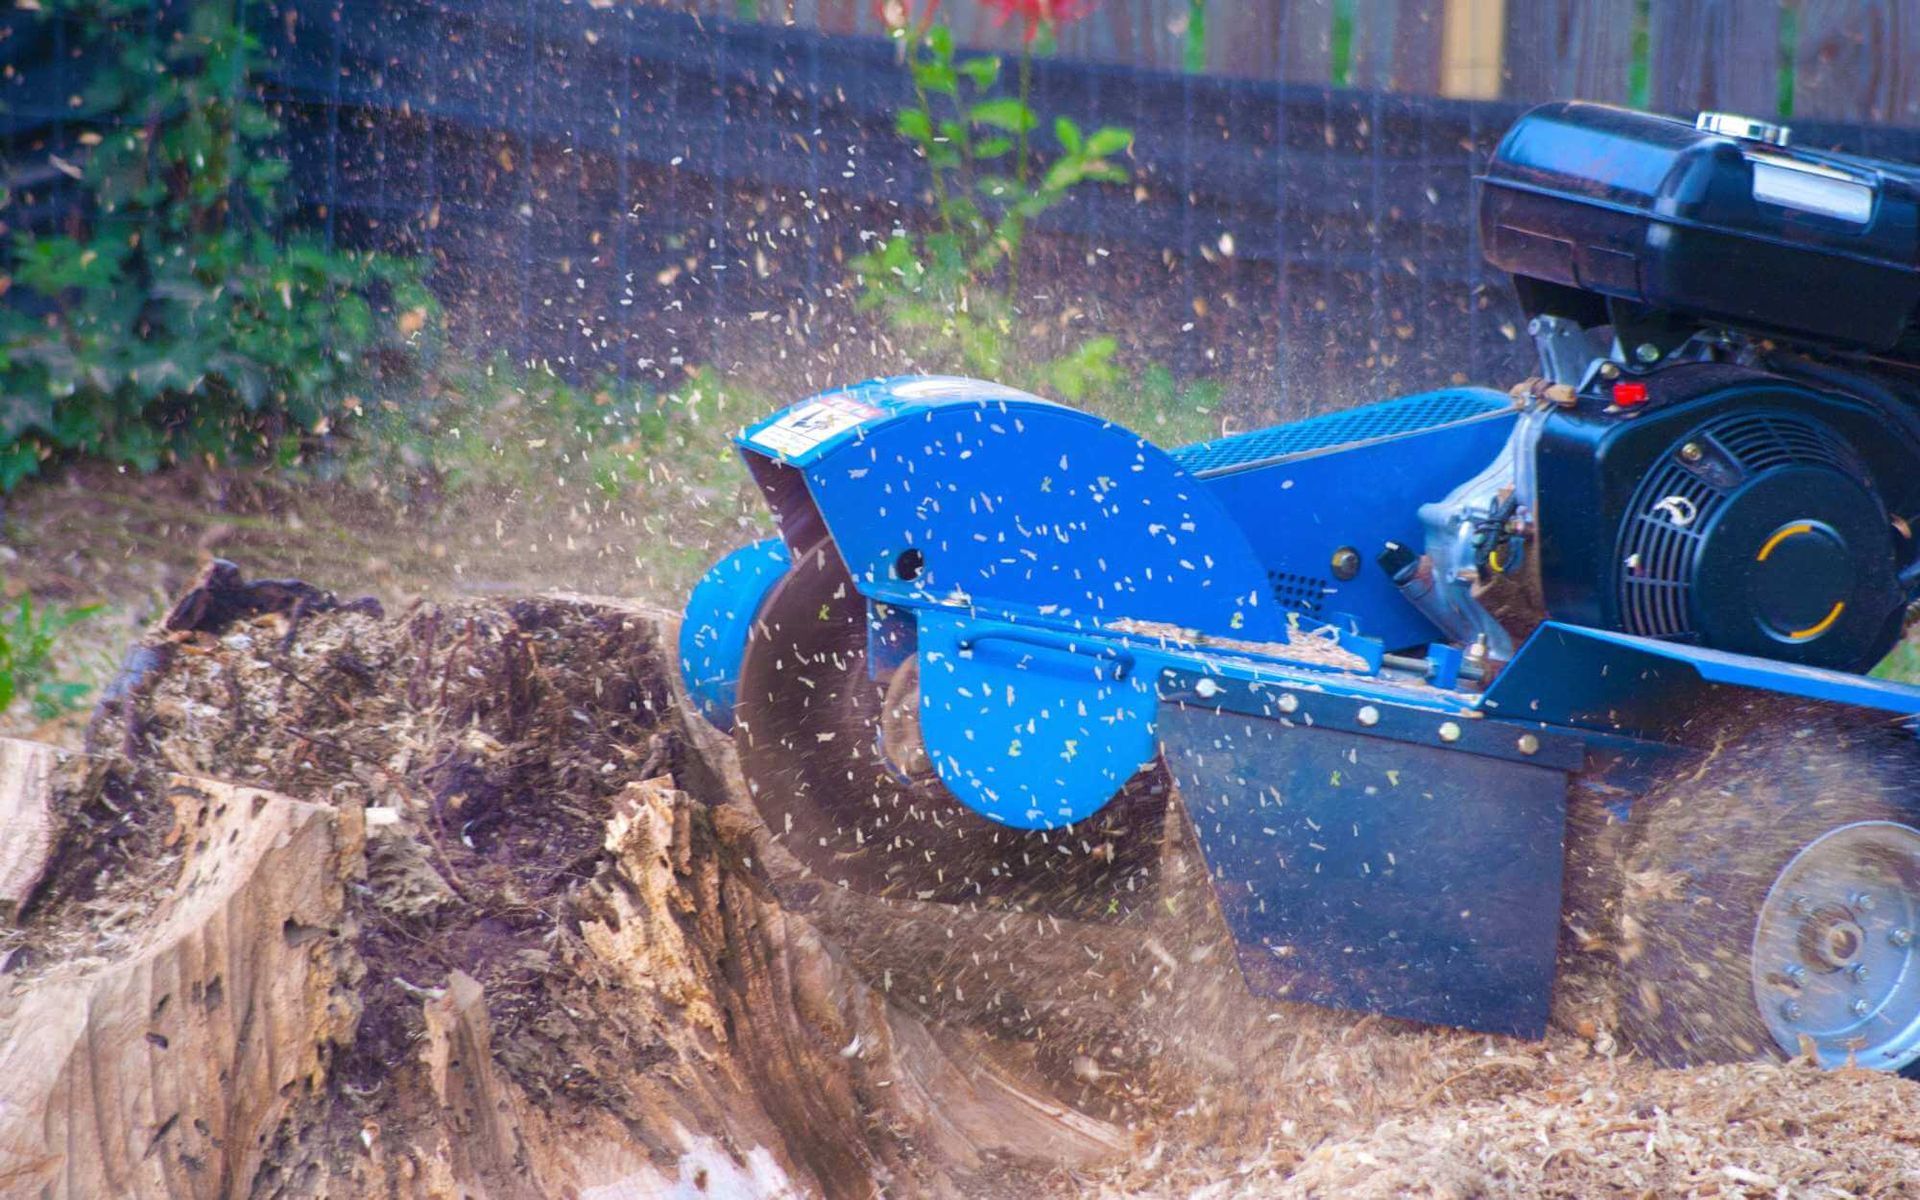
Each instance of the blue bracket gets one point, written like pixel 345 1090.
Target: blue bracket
pixel 1618 683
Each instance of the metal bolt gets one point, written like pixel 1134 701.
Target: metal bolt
pixel 1449 731
pixel 1790 1009
pixel 1802 905
pixel 1345 563
pixel 1609 370
pixel 1901 937
pixel 1647 352
pixel 1862 902
pixel 1289 702
pixel 1795 973
pixel 1368 715
pixel 1859 972
pixel 1691 452
pixel 1529 744
pixel 1207 689
pixel 1860 1008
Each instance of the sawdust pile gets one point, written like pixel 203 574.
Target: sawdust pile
pixel 455 901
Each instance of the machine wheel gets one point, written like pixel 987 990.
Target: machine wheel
pixel 808 724
pixel 1771 905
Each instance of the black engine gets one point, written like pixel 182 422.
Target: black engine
pixel 1729 451
pixel 1740 510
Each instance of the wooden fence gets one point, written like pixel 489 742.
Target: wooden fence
pixel 1842 60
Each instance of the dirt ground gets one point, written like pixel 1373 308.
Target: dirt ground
pixel 545 947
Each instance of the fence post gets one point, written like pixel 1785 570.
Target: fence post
pixel 1721 54
pixel 1569 50
pixel 1855 61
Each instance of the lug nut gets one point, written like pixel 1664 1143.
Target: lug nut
pixel 1790 1009
pixel 1901 937
pixel 1860 1008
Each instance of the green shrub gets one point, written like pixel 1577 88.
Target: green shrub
pixel 181 321
pixel 27 670
pixel 951 294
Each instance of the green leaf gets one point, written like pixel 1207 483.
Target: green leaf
pixel 1004 112
pixel 936 77
pixel 992 147
pixel 940 41
pixel 984 71
pixel 914 123
pixel 1109 140
pixel 1068 134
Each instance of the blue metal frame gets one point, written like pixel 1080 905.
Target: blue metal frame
pixel 1351 480
pixel 1617 683
pixel 1374 855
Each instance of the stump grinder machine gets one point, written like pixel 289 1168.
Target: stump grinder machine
pixel 1458 694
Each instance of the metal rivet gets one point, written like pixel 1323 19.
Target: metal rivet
pixel 1790 1009
pixel 1368 715
pixel 1345 563
pixel 1449 731
pixel 1860 1008
pixel 1901 937
pixel 1529 744
pixel 1289 702
pixel 1207 689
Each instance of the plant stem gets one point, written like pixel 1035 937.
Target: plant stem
pixel 1020 174
pixel 926 106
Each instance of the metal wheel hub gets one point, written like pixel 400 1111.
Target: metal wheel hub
pixel 1834 955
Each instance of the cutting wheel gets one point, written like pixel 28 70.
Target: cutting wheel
pixel 1773 905
pixel 808 723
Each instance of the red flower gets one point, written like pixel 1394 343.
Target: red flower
pixel 899 16
pixel 1035 13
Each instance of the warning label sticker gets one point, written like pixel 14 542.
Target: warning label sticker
pixel 807 425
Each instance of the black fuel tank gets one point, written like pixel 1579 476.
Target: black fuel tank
pixel 1819 246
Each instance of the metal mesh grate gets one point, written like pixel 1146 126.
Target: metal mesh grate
pixel 1299 593
pixel 1391 418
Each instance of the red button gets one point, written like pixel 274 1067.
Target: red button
pixel 1629 393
